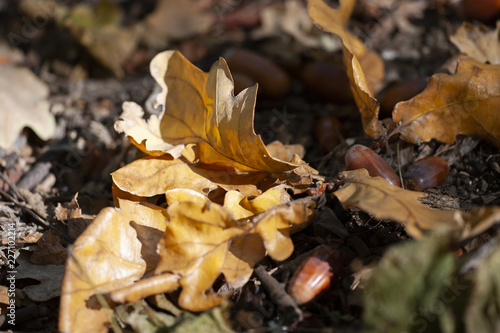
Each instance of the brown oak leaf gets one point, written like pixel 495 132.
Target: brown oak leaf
pixel 464 103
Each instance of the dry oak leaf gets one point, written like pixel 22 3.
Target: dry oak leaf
pixel 50 277
pixel 145 134
pixel 204 239
pixel 200 108
pixel 194 246
pixel 248 249
pixel 478 42
pixel 464 103
pixel 377 197
pixel 113 252
pixel 150 176
pixel 335 21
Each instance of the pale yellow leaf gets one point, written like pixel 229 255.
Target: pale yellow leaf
pixel 145 134
pixel 113 252
pixel 478 42
pixel 200 108
pixel 194 246
pixel 151 176
pixel 24 104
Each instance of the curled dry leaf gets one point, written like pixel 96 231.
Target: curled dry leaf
pixel 354 53
pixel 200 108
pixel 335 21
pixel 210 128
pixel 285 152
pixel 463 103
pixel 204 239
pixel 194 246
pixel 478 42
pixel 113 252
pixel 363 96
pixel 377 197
pixel 145 134
pixel 151 176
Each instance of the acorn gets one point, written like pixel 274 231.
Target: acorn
pixel 328 132
pixel 486 11
pixel 359 156
pixel 327 81
pixel 315 274
pixel 241 82
pixel 401 91
pixel 273 80
pixel 427 172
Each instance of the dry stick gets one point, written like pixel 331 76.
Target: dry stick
pixel 278 295
pixel 35 175
pixel 399 166
pixel 12 186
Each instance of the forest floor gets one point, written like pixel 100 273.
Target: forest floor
pixel 90 74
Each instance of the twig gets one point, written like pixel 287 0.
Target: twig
pixel 12 186
pixel 279 296
pixel 34 176
pixel 399 166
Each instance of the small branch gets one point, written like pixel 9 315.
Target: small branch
pixel 279 296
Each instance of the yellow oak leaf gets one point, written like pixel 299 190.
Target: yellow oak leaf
pixel 204 239
pixel 145 134
pixel 276 224
pixel 464 103
pixel 194 246
pixel 200 108
pixel 335 21
pixel 245 251
pixel 151 176
pixel 115 250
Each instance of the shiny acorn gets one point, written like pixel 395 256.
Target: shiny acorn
pixel 315 274
pixel 427 172
pixel 359 156
pixel 273 80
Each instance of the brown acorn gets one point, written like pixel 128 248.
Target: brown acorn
pixel 329 132
pixel 315 274
pixel 486 11
pixel 399 92
pixel 241 82
pixel 427 172
pixel 273 80
pixel 359 156
pixel 328 81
